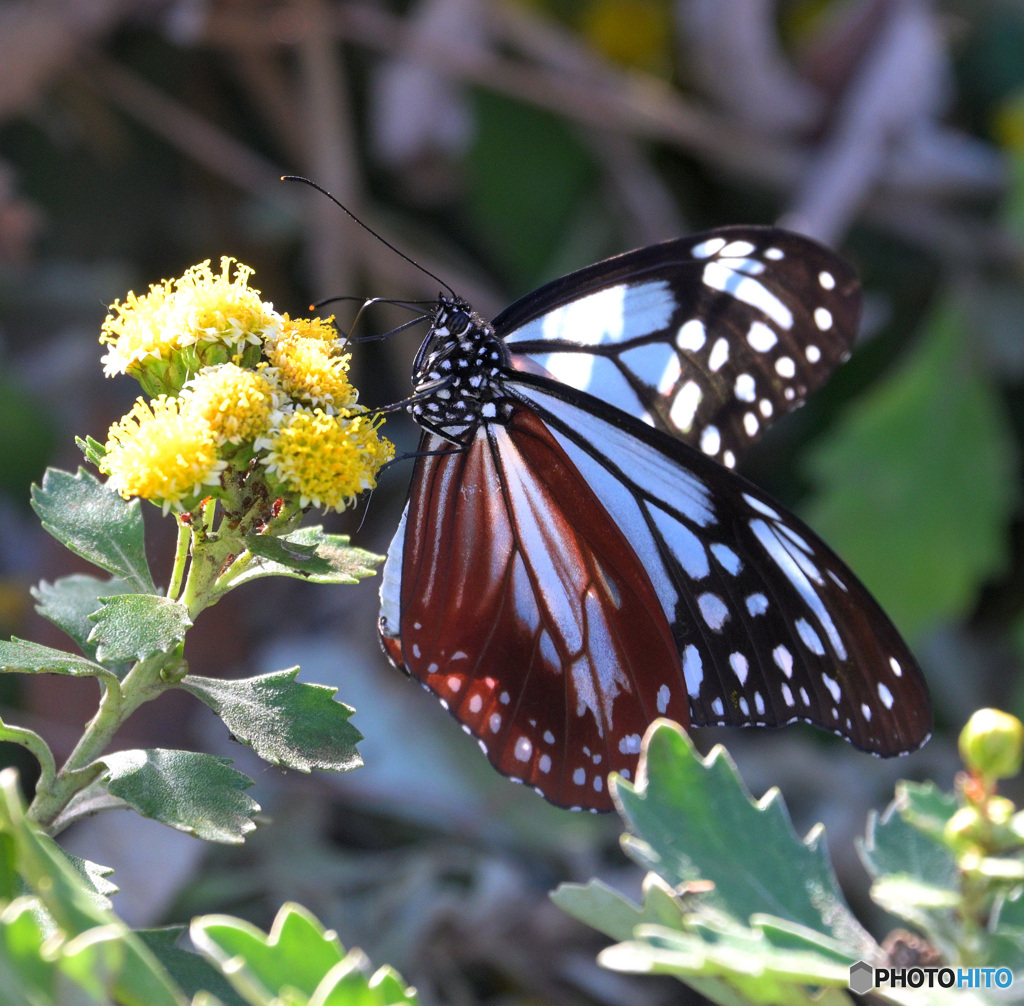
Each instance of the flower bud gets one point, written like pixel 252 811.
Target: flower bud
pixel 992 744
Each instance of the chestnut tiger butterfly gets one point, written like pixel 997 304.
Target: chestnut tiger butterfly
pixel 577 556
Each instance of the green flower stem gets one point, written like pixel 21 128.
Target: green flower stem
pixel 142 684
pixel 180 558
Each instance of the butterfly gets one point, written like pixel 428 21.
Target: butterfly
pixel 577 556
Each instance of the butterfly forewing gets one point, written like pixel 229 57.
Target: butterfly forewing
pixel 526 610
pixel 771 627
pixel 708 338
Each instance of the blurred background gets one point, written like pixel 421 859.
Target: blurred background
pixel 502 144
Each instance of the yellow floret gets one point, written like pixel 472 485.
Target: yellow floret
pixel 236 403
pixel 162 451
pixel 325 459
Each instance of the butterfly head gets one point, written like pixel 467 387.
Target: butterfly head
pixel 456 372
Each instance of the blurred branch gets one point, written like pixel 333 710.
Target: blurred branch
pixel 182 128
pixel 40 38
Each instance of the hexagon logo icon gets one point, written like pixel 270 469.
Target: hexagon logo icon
pixel 862 977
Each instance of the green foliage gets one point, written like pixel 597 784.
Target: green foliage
pixel 924 470
pixel 744 911
pixel 308 554
pixel 287 722
pixel 95 523
pixel 133 645
pixel 70 601
pixel 60 945
pixel 136 626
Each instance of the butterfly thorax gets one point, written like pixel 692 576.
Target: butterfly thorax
pixel 455 376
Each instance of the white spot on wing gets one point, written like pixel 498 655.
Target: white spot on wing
pixel 885 695
pixel 812 353
pixel 663 697
pixel 810 638
pixel 710 440
pixel 757 604
pixel 783 660
pixel 761 337
pixel 523 749
pixel 693 670
pixel 718 708
pixel 866 710
pixel 630 744
pixel 832 685
pixel 827 280
pixel 719 276
pixel 719 355
pixel 544 763
pixel 895 665
pixel 740 667
pixel 750 423
pixel 729 560
pixel 823 318
pixel 495 722
pixel 745 389
pixel 476 703
pixel 579 777
pixel 691 335
pixel 685 405
pixel 737 249
pixel 708 248
pixel 785 367
pixel 713 610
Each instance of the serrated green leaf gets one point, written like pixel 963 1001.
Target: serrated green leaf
pixel 743 957
pixel 140 980
pixel 924 806
pixel 186 790
pixel 894 845
pixel 287 722
pixel 604 909
pixel 190 970
pixel 24 656
pixel 69 601
pixel 93 876
pixel 135 626
pixel 918 483
pixel 298 951
pixel 309 554
pixel 695 820
pixel 96 523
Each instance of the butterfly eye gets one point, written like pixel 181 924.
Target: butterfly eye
pixel 458 322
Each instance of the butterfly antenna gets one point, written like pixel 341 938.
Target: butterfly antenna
pixel 369 230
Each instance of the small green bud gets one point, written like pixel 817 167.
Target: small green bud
pixel 1000 810
pixel 992 744
pixel 963 829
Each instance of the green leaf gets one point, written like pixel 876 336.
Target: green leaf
pixel 69 601
pixel 93 450
pixel 189 791
pixel 916 876
pixel 745 958
pixel 298 951
pixel 96 523
pixel 603 908
pixel 925 807
pixel 92 944
pixel 93 876
pixel 308 554
pixel 24 656
pixel 135 626
pixel 190 970
pixel 24 975
pixel 287 722
pixel 695 821
pixel 297 961
pixel 918 484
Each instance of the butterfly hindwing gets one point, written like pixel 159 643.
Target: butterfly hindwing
pixel 708 338
pixel 527 612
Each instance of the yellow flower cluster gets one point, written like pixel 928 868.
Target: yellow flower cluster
pixel 234 380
